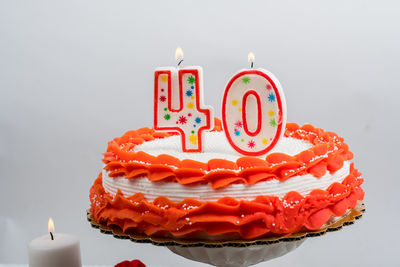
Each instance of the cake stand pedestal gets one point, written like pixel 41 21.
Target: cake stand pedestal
pixel 236 256
pixel 232 253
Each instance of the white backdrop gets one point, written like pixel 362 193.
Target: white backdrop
pixel 75 74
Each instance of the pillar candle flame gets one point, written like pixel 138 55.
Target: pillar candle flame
pixel 50 225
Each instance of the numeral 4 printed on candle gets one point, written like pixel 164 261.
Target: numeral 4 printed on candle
pixel 178 106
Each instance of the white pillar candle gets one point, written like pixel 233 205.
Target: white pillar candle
pixel 60 251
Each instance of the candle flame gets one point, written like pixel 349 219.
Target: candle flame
pixel 50 225
pixel 179 54
pixel 251 58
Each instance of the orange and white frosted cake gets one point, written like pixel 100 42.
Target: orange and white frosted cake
pixel 149 186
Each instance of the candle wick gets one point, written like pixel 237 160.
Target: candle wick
pixel 252 64
pixel 179 63
pixel 51 235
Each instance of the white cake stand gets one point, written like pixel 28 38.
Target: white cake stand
pixel 236 256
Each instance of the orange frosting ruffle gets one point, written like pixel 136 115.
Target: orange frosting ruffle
pixel 264 216
pixel 327 154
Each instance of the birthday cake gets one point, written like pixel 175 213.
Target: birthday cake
pixel 149 186
pixel 249 176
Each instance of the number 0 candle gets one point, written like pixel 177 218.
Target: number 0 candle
pixel 178 104
pixel 253 111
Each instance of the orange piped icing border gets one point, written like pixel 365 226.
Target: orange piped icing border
pixel 262 217
pixel 327 154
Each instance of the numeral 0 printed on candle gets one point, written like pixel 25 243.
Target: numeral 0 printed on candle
pixel 253 112
pixel 178 106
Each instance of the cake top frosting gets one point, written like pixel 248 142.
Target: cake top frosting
pixel 146 152
pixel 215 147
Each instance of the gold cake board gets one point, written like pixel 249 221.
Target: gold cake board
pixel 348 219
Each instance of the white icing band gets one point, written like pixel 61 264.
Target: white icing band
pixel 215 147
pixel 176 192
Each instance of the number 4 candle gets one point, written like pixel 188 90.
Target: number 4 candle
pixel 178 104
pixel 253 111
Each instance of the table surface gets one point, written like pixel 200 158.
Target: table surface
pixel 26 265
